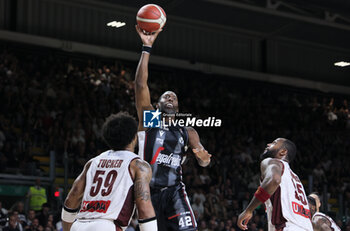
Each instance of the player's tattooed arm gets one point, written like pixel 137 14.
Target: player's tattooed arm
pixel 142 174
pixel 202 155
pixel 142 179
pixel 321 224
pixel 75 195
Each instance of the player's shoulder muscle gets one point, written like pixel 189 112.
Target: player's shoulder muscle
pixel 140 168
pixel 191 130
pixel 321 223
pixel 270 163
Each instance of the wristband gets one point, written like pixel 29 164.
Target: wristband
pixel 69 215
pixel 149 224
pixel 146 49
pixel 261 195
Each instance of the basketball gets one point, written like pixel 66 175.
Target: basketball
pixel 150 18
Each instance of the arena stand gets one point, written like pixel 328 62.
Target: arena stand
pixel 54 103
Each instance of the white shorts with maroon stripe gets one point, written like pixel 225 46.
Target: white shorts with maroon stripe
pixel 94 224
pixel 290 227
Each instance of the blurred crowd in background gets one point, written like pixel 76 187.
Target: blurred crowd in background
pixel 59 103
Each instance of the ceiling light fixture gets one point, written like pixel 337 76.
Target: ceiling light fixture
pixel 342 64
pixel 116 24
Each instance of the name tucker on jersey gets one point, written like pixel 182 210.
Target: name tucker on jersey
pixel 109 163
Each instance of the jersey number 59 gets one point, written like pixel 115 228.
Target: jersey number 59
pixel 107 184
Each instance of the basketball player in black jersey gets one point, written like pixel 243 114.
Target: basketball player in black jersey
pixel 164 148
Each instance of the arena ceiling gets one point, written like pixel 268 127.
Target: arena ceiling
pixel 255 39
pixel 324 22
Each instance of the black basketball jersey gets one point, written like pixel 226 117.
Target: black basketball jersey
pixel 164 148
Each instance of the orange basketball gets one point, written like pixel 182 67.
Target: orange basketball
pixel 150 18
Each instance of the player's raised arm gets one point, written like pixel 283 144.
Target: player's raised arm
pixel 202 155
pixel 271 172
pixel 142 176
pixel 72 203
pixel 142 95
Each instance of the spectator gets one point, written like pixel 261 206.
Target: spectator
pixel 13 224
pixel 35 226
pixel 37 196
pixel 44 214
pixel 319 173
pixel 3 215
pixel 200 195
pixel 198 208
pixel 31 217
pixel 19 209
pixel 54 104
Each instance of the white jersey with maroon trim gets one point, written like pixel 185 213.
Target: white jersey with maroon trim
pixel 109 189
pixel 333 225
pixel 288 206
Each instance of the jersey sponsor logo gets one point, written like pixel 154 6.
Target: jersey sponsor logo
pixel 161 132
pixel 156 155
pixel 160 141
pixel 169 160
pixel 105 163
pixel 95 206
pixel 300 210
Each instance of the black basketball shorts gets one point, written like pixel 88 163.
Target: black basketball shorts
pixel 173 209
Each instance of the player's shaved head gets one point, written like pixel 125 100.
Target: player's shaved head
pixel 167 92
pixel 311 200
pixel 291 149
pixel 274 148
pixel 316 197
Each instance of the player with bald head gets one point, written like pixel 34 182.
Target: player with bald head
pixel 320 221
pixel 164 149
pixel 281 190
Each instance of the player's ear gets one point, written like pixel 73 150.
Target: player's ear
pixel 158 105
pixel 134 141
pixel 283 152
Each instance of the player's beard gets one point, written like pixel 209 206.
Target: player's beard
pixel 268 153
pixel 169 111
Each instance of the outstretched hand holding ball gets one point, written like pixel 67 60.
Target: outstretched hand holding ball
pixel 150 18
pixel 147 39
